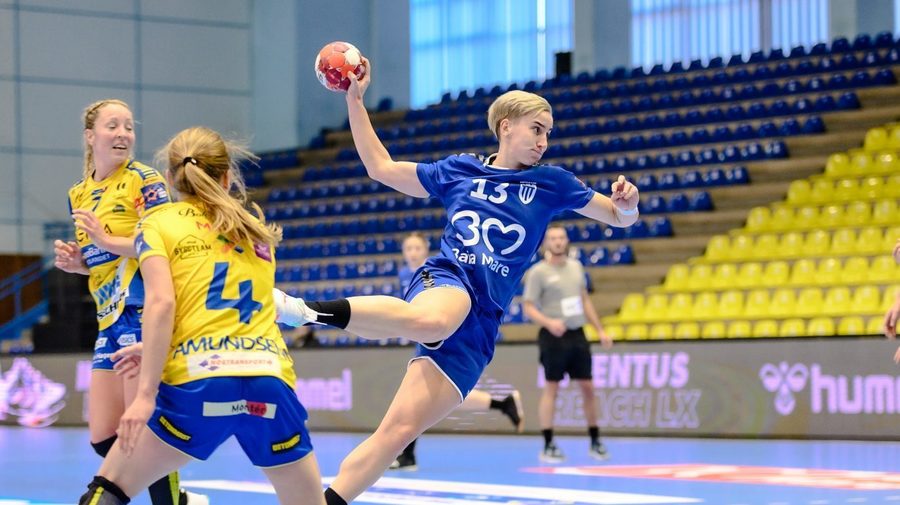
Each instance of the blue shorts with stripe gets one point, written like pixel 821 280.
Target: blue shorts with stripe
pixel 464 355
pixel 125 331
pixel 263 413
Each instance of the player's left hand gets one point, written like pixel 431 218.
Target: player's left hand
pixel 605 340
pixel 134 420
pixel 88 222
pixel 127 360
pixel 358 87
pixel 624 194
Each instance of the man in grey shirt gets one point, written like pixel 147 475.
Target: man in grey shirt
pixel 557 299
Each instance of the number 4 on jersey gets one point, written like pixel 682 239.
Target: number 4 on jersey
pixel 244 303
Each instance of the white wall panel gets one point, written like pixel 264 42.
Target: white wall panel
pixel 195 56
pixel 100 6
pixel 77 47
pixel 232 11
pixel 165 114
pixel 45 184
pixel 8 188
pixel 51 114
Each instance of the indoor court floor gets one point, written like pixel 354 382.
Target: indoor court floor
pixel 52 465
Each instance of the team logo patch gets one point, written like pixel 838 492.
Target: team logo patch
pixel 287 444
pixel 140 245
pixel 154 194
pixel 527 190
pixel 222 409
pixel 127 339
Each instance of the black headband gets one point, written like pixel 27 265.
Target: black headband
pixel 189 160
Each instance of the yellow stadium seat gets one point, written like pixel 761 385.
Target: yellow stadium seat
pixel 870 241
pixel 718 248
pixel 843 241
pixel 822 191
pixel 731 304
pixel 894 137
pixel 791 244
pixel 890 295
pixel 837 301
pixel 677 277
pixel 793 327
pixel 783 302
pixel 885 212
pixel 765 328
pixel 858 214
pixel 803 273
pixel 742 247
pixel 838 165
pixel 831 216
pixel 871 188
pixel 799 192
pixel 820 327
pixel 809 302
pixel 655 307
pixel 806 217
pixel 632 307
pixel 680 305
pixel 866 300
pixel 861 163
pixel 846 190
pixel 782 218
pixel 776 273
pixel 892 186
pixel 713 329
pixel 724 276
pixel 706 306
pixel 739 329
pixel 875 326
pixel 883 269
pixel 828 272
pixel 687 330
pixel 637 331
pixel 759 218
pixel 855 271
pixel 851 325
pixel 758 302
pixel 615 331
pixel 876 139
pixel 749 275
pixel 887 163
pixel 891 236
pixel 661 331
pixel 701 276
pixel 766 246
pixel 817 243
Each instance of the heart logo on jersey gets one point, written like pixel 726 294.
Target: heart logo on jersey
pixel 517 228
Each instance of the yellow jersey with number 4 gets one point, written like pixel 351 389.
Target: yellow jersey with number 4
pixel 118 201
pixel 224 314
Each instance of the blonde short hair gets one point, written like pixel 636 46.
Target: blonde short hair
pixel 513 105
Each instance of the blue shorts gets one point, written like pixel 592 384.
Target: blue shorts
pixel 464 355
pixel 122 333
pixel 263 413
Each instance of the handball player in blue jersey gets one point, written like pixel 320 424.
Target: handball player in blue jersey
pixel 498 208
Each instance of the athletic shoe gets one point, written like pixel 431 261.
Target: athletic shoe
pixel 404 463
pixel 292 311
pixel 598 451
pixel 552 454
pixel 512 408
pixel 189 498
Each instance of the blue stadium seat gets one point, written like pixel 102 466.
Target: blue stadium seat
pixel 862 42
pixel 638 230
pixel 691 179
pixel 701 201
pixel 655 204
pixel 623 255
pixel 813 124
pixel 599 256
pixel 668 180
pixel 848 101
pixel 737 175
pixel 840 45
pixel 678 203
pixel 661 227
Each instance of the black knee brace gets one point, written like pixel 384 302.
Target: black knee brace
pixel 103 492
pixel 102 447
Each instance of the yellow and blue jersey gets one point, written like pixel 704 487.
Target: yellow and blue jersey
pixel 224 313
pixel 119 202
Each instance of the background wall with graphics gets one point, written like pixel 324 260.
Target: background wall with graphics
pixel 841 388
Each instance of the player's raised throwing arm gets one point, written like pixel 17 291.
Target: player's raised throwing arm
pixel 400 175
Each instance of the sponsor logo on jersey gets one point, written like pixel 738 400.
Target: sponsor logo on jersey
pixel 126 339
pixel 94 256
pixel 169 427
pixel 191 247
pixel 154 194
pixel 118 209
pixel 262 251
pixel 252 408
pixel 287 444
pixel 100 343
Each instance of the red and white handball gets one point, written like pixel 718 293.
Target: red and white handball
pixel 335 62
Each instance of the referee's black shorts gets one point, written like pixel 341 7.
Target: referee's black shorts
pixel 568 354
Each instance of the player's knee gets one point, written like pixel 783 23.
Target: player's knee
pixel 103 492
pixel 102 447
